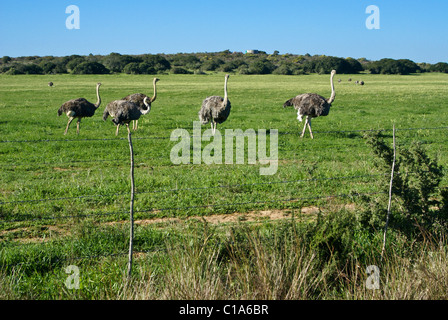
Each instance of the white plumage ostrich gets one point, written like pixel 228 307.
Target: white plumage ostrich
pixel 79 108
pixel 123 112
pixel 215 109
pixel 312 105
pixel 138 98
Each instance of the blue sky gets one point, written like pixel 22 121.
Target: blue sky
pixel 416 30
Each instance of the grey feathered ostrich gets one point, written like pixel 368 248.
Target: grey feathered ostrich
pixel 79 108
pixel 138 98
pixel 123 112
pixel 312 105
pixel 215 109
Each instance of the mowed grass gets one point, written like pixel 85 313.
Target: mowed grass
pixel 40 165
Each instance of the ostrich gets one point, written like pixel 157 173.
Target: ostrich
pixel 215 109
pixel 361 83
pixel 124 112
pixel 312 105
pixel 138 98
pixel 79 108
pixel 50 84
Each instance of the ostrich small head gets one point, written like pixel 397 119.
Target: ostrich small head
pixel 333 72
pixel 98 84
pixel 227 76
pixel 156 80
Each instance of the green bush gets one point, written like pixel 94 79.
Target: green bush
pixel 415 190
pixel 212 65
pixel 48 67
pixel 439 67
pixel 391 66
pixel 261 66
pixel 116 62
pixel 177 70
pixel 157 62
pixel 18 68
pixel 90 68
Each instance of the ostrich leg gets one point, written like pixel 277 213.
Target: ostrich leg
pixel 309 127
pixel 304 127
pixel 77 125
pixel 68 124
pixel 118 127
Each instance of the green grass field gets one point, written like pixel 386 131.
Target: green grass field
pixel 61 197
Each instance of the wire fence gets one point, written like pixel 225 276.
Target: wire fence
pixel 33 216
pixel 223 135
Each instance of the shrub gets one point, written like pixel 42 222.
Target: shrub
pixel 391 66
pixel 132 68
pixel 116 62
pixel 48 67
pixel 178 70
pixel 261 66
pixel 18 68
pixel 324 65
pixel 212 65
pixel 415 186
pixel 90 68
pixel 355 65
pixel 157 62
pixel 439 67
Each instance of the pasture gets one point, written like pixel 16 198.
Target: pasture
pixel 64 200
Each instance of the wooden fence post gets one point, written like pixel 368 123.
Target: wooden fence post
pixel 131 211
pixel 390 196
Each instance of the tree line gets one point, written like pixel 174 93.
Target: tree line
pixel 201 63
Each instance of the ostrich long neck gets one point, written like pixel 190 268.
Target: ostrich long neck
pixel 155 92
pixel 98 102
pixel 333 94
pixel 148 106
pixel 224 103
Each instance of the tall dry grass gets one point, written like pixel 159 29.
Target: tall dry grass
pixel 288 270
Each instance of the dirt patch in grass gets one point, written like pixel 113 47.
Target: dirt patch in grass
pixel 49 232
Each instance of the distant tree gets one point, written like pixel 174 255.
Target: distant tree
pixel 391 66
pixel 243 69
pixel 179 70
pixel 261 66
pixel 212 65
pixel 48 67
pixel 232 65
pixel 189 61
pixel 116 62
pixel 439 67
pixel 74 62
pixel 139 68
pixel 355 65
pixel 6 59
pixel 132 68
pixel 146 68
pixel 90 68
pixel 25 68
pixel 157 62
pixel 284 68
